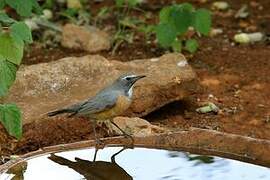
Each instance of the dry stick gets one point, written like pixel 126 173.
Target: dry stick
pixel 45 23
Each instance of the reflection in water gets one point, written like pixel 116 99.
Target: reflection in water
pixel 192 157
pixel 18 171
pixel 200 159
pixel 95 170
pixel 137 164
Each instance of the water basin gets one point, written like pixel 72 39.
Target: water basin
pixel 116 163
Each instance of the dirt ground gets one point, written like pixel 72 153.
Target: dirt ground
pixel 235 77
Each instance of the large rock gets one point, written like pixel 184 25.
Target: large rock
pixel 89 39
pixel 135 126
pixel 44 87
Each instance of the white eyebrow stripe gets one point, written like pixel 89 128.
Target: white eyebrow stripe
pixel 131 76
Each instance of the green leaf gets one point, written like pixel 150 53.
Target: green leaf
pixel 129 22
pixel 21 31
pixel 166 34
pixel 48 4
pixel 7 75
pixel 2 4
pixel 164 14
pixel 133 3
pixel 186 6
pixel 146 29
pixel 191 45
pixel 202 21
pixel 4 18
pixel 71 12
pixel 36 7
pixel 11 49
pixel 119 3
pixel 10 116
pixel 102 12
pixel 177 46
pixel 24 7
pixel 182 18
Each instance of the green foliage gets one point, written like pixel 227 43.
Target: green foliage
pixel 119 3
pixel 13 35
pixel 166 34
pixel 147 30
pixel 191 45
pixel 7 75
pixel 11 49
pixel 2 4
pixel 24 7
pixel 177 45
pixel 104 11
pixel 5 19
pixel 10 116
pixel 133 3
pixel 174 23
pixel 125 22
pixel 129 3
pixel 48 4
pixel 21 32
pixel 182 18
pixel 202 21
pixel 70 12
pixel 164 14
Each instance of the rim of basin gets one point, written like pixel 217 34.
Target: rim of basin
pixel 197 141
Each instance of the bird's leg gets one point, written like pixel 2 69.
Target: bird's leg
pixel 123 132
pixel 95 155
pixel 114 155
pixel 99 143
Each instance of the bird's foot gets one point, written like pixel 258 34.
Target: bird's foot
pixel 99 144
pixel 131 141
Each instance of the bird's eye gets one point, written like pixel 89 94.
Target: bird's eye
pixel 128 78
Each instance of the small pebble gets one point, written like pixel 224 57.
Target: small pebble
pixel 245 38
pixel 210 107
pixel 214 32
pixel 74 4
pixel 242 12
pixel 182 63
pixel 220 5
pixel 47 14
pixel 154 59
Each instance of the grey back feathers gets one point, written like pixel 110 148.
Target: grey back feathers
pixel 103 100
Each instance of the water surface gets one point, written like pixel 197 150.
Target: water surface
pixel 114 163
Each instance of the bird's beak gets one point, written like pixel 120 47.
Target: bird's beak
pixel 139 77
pixel 136 78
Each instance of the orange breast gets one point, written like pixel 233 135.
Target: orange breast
pixel 120 107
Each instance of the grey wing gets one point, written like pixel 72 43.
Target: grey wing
pixel 97 104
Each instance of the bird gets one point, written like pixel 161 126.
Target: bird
pixel 97 170
pixel 108 103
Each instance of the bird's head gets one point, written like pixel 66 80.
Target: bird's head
pixel 125 82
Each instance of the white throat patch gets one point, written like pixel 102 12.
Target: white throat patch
pixel 130 92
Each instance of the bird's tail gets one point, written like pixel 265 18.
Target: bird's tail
pixel 61 111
